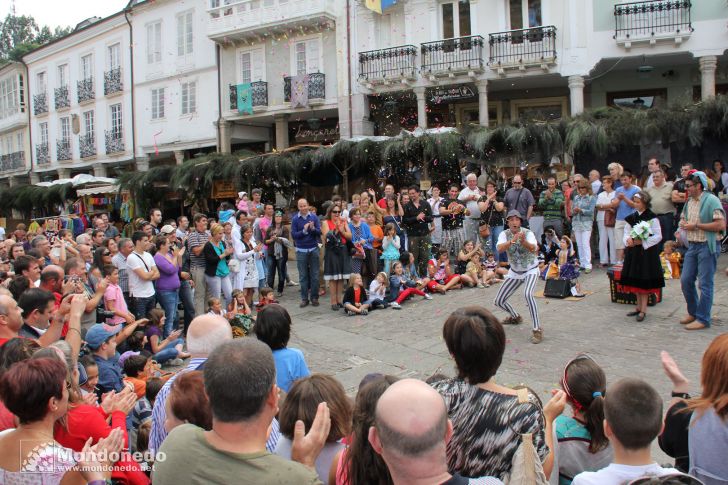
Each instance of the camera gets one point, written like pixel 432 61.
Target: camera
pixel 102 315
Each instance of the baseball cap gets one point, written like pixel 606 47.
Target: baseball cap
pixel 167 230
pixel 99 333
pixel 514 213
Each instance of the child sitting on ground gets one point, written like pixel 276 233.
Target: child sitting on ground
pixel 569 266
pixel 378 292
pixel 474 270
pixel 239 315
pixel 355 297
pixel 671 261
pixel 401 287
pixel 265 297
pixel 214 307
pixel 632 421
pixel 409 270
pixel 441 276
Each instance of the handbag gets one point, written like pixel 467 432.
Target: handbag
pixel 234 265
pixel 526 466
pixel 484 230
pixel 610 218
pixel 557 288
pixel 358 252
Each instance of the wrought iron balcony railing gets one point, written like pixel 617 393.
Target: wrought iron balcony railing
pixel 523 46
pixel 62 98
pixel 63 150
pixel 85 90
pixel 461 54
pixel 259 93
pixel 42 157
pixel 652 18
pixel 386 64
pixel 112 81
pixel 316 87
pixel 12 161
pixel 87 145
pixel 114 142
pixel 40 103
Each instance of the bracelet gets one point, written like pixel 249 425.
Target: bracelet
pixel 681 395
pixel 75 330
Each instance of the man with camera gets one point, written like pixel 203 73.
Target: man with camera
pixel 75 270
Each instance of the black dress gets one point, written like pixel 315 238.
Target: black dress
pixel 642 270
pixel 337 261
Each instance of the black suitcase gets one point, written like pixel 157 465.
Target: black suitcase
pixel 557 288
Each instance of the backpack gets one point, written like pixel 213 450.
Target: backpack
pixel 526 466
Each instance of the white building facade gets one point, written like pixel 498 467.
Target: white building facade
pixel 80 87
pixel 14 134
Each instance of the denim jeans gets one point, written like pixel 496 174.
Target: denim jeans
pixel 493 239
pixel 142 306
pixel 188 303
pixel 168 300
pixel 169 352
pixel 308 274
pixel 217 286
pixel 699 264
pixel 278 264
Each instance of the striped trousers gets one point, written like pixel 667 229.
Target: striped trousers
pixel 506 290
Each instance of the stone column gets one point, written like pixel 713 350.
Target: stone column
pixel 708 65
pixel 142 164
pixel 100 170
pixel 483 102
pixel 281 132
pixel 576 87
pixel 64 173
pixel 421 107
pixel 226 133
pixel 179 156
pixel 13 181
pixel 34 178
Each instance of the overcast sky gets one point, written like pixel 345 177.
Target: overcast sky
pixel 62 12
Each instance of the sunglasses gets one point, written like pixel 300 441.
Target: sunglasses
pixel 336 212
pixel 106 253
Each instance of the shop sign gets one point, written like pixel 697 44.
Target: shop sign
pixel 327 132
pixel 445 94
pixel 223 189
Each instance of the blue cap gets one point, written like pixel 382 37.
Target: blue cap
pixel 98 334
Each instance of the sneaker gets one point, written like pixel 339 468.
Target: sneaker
pixel 350 313
pixel 304 303
pixel 481 285
pixel 291 283
pixel 588 270
pixel 174 363
pixel 513 320
pixel 428 296
pixel 536 336
pixel 396 305
pixel 279 294
pixel 364 312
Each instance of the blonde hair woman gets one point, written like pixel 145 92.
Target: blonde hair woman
pixel 217 273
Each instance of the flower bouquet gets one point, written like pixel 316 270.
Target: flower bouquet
pixel 640 231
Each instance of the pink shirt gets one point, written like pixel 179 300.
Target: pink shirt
pixel 113 293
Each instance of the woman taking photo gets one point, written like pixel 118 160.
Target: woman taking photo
pixel 582 220
pixel 606 215
pixel 337 261
pixel 491 213
pixel 168 284
pixel 247 252
pixel 642 272
pixel 217 273
pixel 278 240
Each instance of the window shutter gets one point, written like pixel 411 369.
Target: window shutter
pixel 257 63
pixel 313 49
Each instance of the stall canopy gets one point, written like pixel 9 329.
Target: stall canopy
pixel 81 180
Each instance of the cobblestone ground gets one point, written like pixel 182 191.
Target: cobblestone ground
pixel 409 342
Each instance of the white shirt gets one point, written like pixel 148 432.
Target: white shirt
pixel 596 186
pixel 616 474
pixel 2 233
pixel 649 183
pixel 518 270
pixel 604 198
pixel 180 233
pixel 472 205
pixel 138 287
pixel 655 234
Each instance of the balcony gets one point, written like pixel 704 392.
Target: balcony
pixel 388 65
pixel 85 90
pixel 651 21
pixel 62 98
pixel 112 82
pixel 12 161
pixel 63 150
pixel 460 55
pixel 523 48
pixel 114 142
pixel 251 19
pixel 316 89
pixel 87 145
pixel 259 93
pixel 40 104
pixel 42 157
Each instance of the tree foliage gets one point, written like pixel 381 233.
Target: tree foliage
pixel 19 34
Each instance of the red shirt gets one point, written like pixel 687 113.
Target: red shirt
pixel 357 295
pixel 7 419
pixel 382 203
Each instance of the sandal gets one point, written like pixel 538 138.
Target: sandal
pixel 634 313
pixel 641 316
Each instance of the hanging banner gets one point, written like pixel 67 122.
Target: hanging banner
pixel 299 91
pixel 245 98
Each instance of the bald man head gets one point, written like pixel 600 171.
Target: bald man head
pixel 207 332
pixel 411 430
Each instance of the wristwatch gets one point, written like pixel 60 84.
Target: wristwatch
pixel 681 395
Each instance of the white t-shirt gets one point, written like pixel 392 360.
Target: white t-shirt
pixel 472 205
pixel 138 287
pixel 522 261
pixel 616 474
pixel 604 198
pixel 2 233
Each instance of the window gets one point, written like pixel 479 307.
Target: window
pixel 44 133
pixel 455 19
pixel 65 133
pixel 246 68
pixel 184 34
pixel 189 98
pixel 116 120
pixel 62 75
pixel 88 122
pixel 157 103
pixel 20 141
pixel 154 43
pixel 87 67
pixel 524 14
pixel 9 96
pixel 642 99
pixel 306 57
pixel 40 83
pixel 252 66
pixel 113 53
